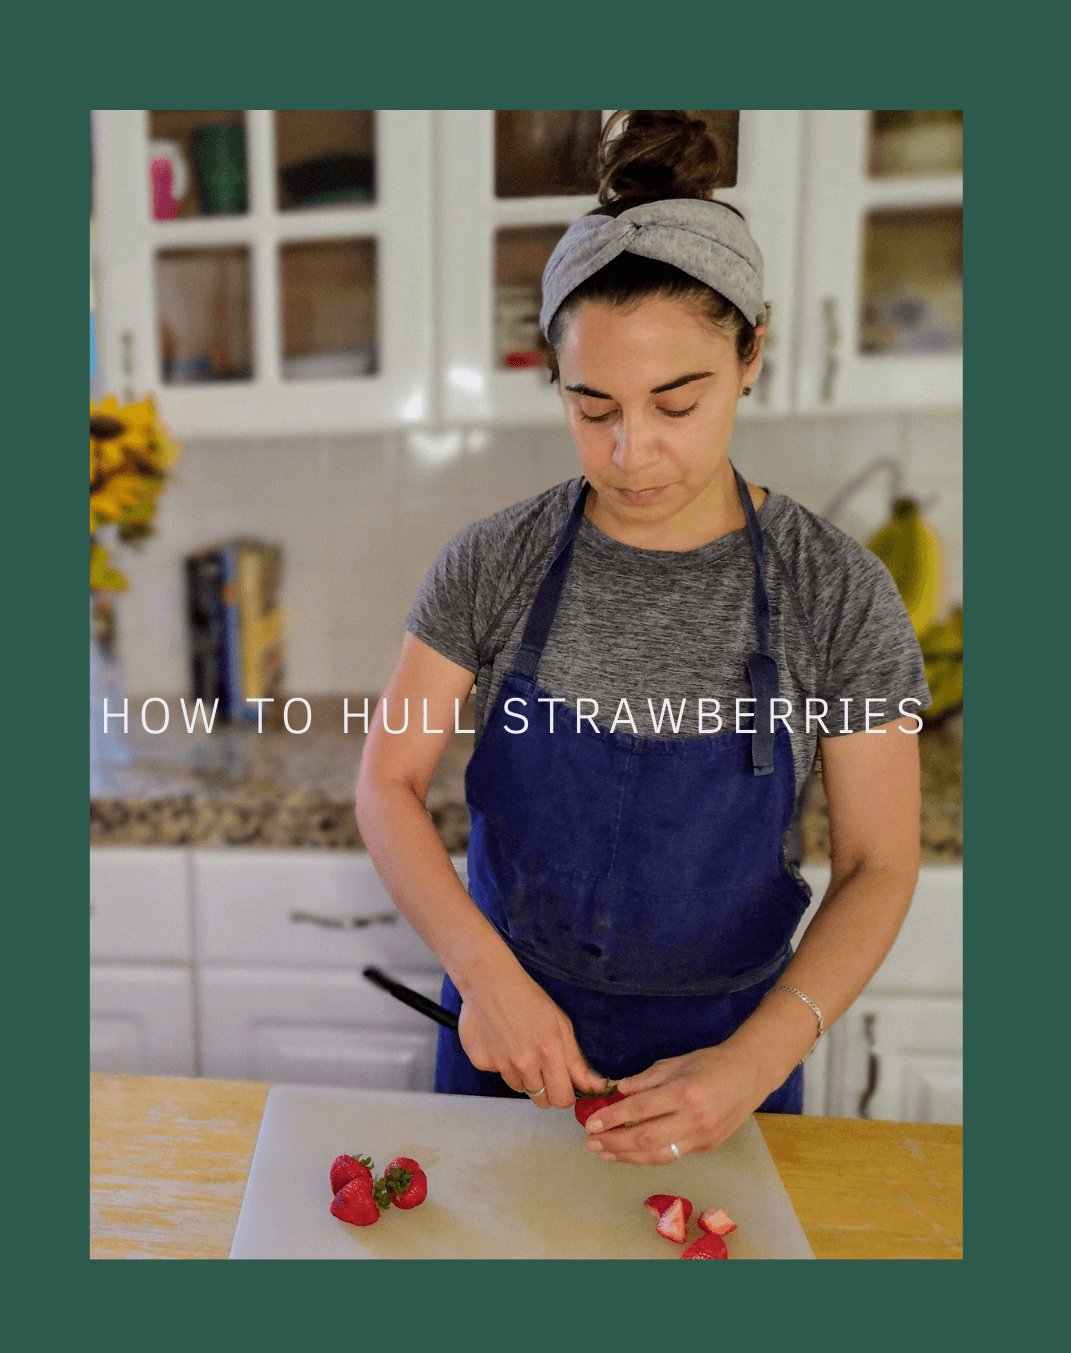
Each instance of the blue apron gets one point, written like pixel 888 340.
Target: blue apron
pixel 640 881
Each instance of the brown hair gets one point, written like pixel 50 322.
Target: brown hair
pixel 649 155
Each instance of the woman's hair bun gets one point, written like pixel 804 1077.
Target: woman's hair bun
pixel 647 155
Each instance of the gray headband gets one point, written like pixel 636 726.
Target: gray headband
pixel 704 239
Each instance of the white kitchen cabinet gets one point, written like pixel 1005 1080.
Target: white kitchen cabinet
pixel 881 285
pixel 315 1027
pixel 294 316
pixel 141 955
pixel 417 305
pixel 141 1019
pixel 490 245
pixel 281 994
pixel 138 905
pixel 897 1052
pixel 297 908
pixel 899 1057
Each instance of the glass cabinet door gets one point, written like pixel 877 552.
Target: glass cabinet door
pixel 268 271
pixel 882 283
pixel 510 184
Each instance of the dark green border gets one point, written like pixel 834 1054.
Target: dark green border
pixel 495 56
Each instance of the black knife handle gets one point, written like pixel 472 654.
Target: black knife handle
pixel 411 998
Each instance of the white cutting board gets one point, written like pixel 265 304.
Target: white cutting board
pixel 505 1181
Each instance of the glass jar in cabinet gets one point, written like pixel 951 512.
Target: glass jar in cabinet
pixel 267 271
pixel 881 295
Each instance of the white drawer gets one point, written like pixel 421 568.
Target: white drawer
pixel 139 908
pixel 315 1028
pixel 279 906
pixel 252 907
pixel 141 1020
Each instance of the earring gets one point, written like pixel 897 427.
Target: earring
pixel 747 389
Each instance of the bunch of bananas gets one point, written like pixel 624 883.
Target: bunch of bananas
pixel 910 550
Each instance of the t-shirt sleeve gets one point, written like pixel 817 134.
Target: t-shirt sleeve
pixel 872 654
pixel 443 611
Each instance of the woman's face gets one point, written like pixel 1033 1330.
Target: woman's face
pixel 650 395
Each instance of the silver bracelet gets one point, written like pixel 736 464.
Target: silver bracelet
pixel 807 1001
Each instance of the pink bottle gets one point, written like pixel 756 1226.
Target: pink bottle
pixel 164 206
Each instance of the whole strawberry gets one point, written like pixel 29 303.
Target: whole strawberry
pixel 406 1182
pixel 347 1168
pixel 361 1201
pixel 587 1103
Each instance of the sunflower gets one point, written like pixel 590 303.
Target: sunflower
pixel 130 455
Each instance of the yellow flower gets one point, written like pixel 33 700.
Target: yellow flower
pixel 130 455
pixel 112 502
pixel 102 577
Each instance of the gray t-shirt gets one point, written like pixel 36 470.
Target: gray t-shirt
pixel 662 625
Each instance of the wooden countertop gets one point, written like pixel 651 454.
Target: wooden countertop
pixel 169 1160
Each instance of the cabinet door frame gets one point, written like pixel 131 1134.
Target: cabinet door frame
pixel 838 193
pixel 400 221
pixel 768 192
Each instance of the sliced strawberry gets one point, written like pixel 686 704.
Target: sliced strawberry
pixel 347 1168
pixel 707 1247
pixel 406 1181
pixel 586 1105
pixel 716 1221
pixel 672 1224
pixel 355 1203
pixel 658 1202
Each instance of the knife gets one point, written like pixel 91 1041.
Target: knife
pixel 411 998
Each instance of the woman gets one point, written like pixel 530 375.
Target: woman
pixel 654 646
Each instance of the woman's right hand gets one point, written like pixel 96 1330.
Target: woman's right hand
pixel 509 1024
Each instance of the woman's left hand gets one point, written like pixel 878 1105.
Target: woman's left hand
pixel 696 1102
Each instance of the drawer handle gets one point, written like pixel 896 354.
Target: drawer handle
pixel 345 922
pixel 873 1069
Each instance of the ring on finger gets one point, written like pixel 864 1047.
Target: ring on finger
pixel 676 1150
pixel 534 1094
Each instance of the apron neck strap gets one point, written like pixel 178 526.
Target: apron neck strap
pixel 762 599
pixel 761 666
pixel 545 606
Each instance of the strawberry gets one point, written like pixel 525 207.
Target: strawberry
pixel 707 1247
pixel 587 1103
pixel 658 1202
pixel 672 1223
pixel 347 1168
pixel 361 1201
pixel 406 1181
pixel 716 1221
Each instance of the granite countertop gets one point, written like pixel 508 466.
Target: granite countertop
pixel 238 787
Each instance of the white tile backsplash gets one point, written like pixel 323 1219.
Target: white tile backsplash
pixel 360 519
